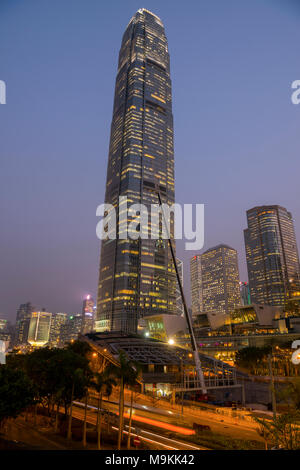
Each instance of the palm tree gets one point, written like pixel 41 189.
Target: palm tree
pixel 103 385
pixel 87 382
pixel 127 372
pixel 78 380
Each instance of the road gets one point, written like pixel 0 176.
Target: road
pixel 167 418
pixel 156 439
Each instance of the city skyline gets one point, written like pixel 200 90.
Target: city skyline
pixel 51 251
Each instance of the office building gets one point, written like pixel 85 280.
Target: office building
pixel 72 328
pixel 245 293
pixel 58 322
pixel 39 329
pixel 272 255
pixel 220 280
pixel 137 277
pixel 22 323
pixel 87 315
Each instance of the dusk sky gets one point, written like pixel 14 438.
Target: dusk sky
pixel 236 130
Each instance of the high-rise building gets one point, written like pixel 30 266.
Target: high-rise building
pixel 87 315
pixel 137 277
pixel 6 331
pixel 22 323
pixel 58 322
pixel 220 280
pixel 39 328
pixel 272 255
pixel 245 293
pixel 72 328
pixel 179 302
pixel 196 285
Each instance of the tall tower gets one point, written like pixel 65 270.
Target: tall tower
pixel 272 255
pixel 39 328
pixel 87 315
pixel 220 280
pixel 22 323
pixel 137 277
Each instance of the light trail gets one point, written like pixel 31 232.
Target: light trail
pixel 173 440
pixel 152 422
pixel 161 424
pixel 148 440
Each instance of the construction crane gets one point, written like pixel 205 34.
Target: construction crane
pixel 198 367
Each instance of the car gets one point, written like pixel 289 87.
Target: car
pixel 201 427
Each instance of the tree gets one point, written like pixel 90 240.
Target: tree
pixel 281 432
pixel 127 372
pixel 78 389
pixel 59 375
pixel 252 358
pixel 103 385
pixel 82 348
pixel 291 394
pixel 16 392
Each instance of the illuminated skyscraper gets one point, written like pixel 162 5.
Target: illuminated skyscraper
pixel 272 255
pixel 87 315
pixel 137 277
pixel 22 323
pixel 72 328
pixel 39 328
pixel 58 322
pixel 220 280
pixel 245 293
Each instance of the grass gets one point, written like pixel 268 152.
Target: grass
pixel 216 441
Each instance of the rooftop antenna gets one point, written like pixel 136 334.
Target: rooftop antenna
pixel 199 370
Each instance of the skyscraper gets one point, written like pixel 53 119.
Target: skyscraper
pixel 72 328
pixel 196 284
pixel 245 293
pixel 272 255
pixel 58 322
pixel 87 315
pixel 220 280
pixel 39 328
pixel 137 277
pixel 22 323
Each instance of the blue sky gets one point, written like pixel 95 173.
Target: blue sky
pixel 236 130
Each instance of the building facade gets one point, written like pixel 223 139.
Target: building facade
pixel 137 276
pixel 22 323
pixel 87 315
pixel 39 329
pixel 58 322
pixel 220 280
pixel 196 285
pixel 272 255
pixel 72 328
pixel 245 293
